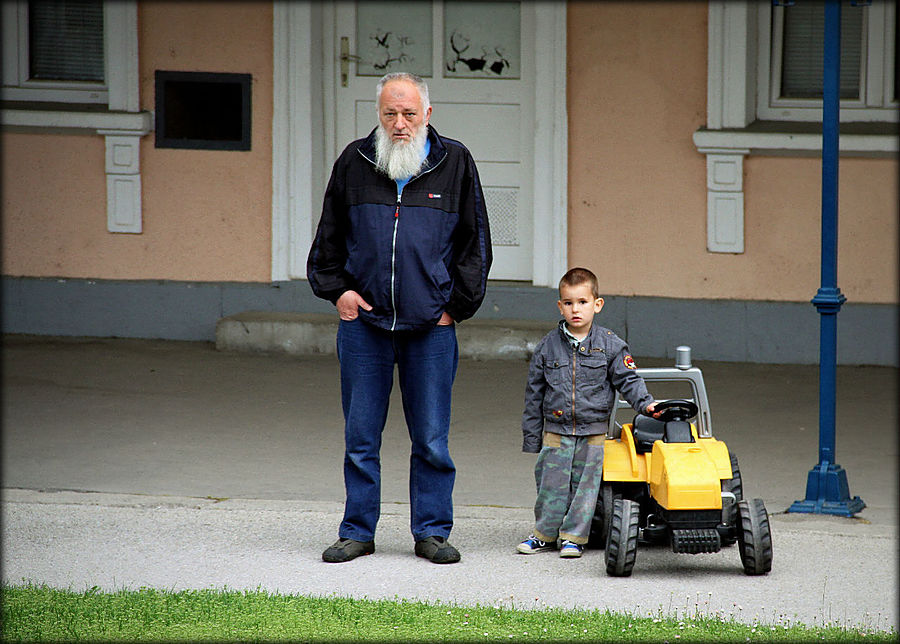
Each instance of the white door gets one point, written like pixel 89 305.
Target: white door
pixel 477 58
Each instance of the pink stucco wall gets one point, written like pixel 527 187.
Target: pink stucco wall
pixel 211 211
pixel 206 214
pixel 637 197
pixel 637 185
pixel 54 205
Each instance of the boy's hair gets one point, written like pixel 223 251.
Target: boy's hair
pixel 577 276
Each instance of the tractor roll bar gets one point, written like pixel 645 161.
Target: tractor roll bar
pixel 681 372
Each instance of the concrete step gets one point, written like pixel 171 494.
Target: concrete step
pixel 314 333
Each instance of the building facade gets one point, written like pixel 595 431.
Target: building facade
pixel 672 147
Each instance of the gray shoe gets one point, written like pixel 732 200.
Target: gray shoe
pixel 346 550
pixel 437 549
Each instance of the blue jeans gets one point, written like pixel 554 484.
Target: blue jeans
pixel 427 362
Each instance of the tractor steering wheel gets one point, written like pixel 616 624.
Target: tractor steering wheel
pixel 676 409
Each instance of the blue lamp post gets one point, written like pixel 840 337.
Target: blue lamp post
pixel 827 490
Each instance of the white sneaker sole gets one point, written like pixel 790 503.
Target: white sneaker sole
pixel 570 555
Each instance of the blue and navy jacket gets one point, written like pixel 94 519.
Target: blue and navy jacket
pixel 413 254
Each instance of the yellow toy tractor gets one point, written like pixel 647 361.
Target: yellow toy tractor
pixel 667 480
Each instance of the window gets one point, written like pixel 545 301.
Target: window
pixel 54 51
pixel 791 43
pixel 764 94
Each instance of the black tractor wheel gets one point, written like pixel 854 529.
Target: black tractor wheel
pixel 734 484
pixel 602 516
pixel 622 541
pixel 754 537
pixel 736 487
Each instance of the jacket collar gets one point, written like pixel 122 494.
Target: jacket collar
pixel 435 155
pixel 591 339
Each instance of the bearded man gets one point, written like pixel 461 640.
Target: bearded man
pixel 403 251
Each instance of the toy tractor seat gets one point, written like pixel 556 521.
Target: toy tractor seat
pixel 646 430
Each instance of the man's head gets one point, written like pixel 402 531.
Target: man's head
pixel 404 109
pixel 579 300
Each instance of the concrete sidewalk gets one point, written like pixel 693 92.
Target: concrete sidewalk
pixel 139 463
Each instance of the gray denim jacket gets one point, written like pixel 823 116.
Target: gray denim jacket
pixel 573 390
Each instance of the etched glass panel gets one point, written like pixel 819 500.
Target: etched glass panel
pixel 388 42
pixel 503 212
pixel 482 40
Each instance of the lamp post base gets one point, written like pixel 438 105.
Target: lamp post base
pixel 827 492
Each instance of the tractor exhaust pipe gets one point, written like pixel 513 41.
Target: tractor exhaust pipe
pixel 683 357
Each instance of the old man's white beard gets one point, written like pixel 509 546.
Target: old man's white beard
pixel 396 159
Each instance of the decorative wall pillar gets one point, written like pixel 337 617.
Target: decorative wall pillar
pixel 123 181
pixel 725 199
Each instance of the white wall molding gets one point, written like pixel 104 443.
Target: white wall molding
pixel 123 181
pixel 731 70
pixel 123 146
pixel 280 144
pixel 551 171
pixel 730 103
pixel 725 200
pixel 794 143
pixel 121 48
pixel 75 121
pixel 294 137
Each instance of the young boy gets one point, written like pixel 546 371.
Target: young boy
pixel 573 378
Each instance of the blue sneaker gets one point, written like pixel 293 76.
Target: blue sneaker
pixel 532 544
pixel 570 549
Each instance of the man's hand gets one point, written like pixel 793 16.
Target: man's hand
pixel 348 305
pixel 445 320
pixel 651 410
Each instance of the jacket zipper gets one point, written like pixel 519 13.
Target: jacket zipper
pixel 393 260
pixel 574 358
pixel 394 239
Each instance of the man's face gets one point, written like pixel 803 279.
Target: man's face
pixel 400 111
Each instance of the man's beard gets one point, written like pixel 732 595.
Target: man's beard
pixel 396 159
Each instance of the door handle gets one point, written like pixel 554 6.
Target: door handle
pixel 345 59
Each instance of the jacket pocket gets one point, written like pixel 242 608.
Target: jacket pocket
pixel 592 367
pixel 593 386
pixel 557 402
pixel 557 372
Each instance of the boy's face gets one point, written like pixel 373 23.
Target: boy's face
pixel 578 306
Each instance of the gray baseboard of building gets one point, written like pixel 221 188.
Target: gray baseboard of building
pixel 720 330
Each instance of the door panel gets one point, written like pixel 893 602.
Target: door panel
pixel 475 63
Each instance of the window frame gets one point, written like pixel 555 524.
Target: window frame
pixel 876 71
pixel 118 118
pixel 17 86
pixel 734 130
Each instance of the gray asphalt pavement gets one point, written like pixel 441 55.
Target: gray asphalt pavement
pixel 131 463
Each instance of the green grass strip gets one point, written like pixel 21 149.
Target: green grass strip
pixel 41 614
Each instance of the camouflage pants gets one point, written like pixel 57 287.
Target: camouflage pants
pixel 568 474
